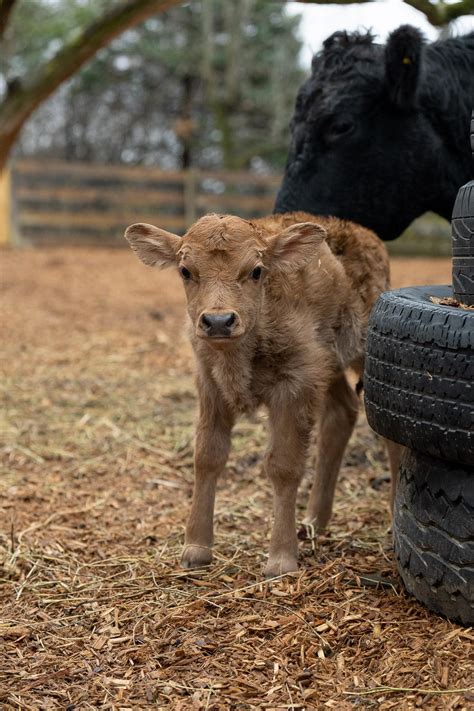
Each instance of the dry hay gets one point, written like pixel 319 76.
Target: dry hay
pixel 96 479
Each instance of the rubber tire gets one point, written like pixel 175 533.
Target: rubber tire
pixel 419 373
pixel 433 532
pixel 462 231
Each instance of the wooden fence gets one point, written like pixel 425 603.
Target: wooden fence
pixel 5 207
pixel 54 202
pixel 57 202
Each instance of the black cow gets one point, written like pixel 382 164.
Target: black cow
pixel 380 134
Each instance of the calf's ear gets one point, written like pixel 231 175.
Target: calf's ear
pixel 402 65
pixel 154 246
pixel 293 248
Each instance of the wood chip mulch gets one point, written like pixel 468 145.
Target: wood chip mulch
pixel 451 301
pixel 96 453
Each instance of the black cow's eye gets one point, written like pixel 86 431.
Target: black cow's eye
pixel 256 273
pixel 185 273
pixel 340 128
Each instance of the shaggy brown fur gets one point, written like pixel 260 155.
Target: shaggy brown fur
pixel 292 296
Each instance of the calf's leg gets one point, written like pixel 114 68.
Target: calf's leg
pixel 210 457
pixel 339 415
pixel 284 464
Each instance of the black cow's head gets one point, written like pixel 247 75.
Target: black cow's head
pixel 363 146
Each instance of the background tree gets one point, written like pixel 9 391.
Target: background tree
pixel 22 94
pixel 208 83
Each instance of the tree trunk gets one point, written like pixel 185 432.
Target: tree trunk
pixel 26 96
pixel 6 7
pixel 186 115
pixel 222 115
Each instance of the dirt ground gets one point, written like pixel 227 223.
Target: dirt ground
pixel 97 423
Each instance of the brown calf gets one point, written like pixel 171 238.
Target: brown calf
pixel 278 310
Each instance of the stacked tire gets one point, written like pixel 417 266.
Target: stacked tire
pixel 419 392
pixel 462 230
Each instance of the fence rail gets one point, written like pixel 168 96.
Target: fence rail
pixel 62 202
pixel 58 202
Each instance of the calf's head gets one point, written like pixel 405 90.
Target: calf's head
pixel 223 262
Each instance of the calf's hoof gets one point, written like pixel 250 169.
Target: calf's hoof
pixel 281 565
pixel 195 556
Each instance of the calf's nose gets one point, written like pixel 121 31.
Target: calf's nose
pixel 218 324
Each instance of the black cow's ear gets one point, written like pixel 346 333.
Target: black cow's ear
pixel 402 65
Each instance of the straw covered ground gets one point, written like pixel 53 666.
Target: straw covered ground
pixel 97 426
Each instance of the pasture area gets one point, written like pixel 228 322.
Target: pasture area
pixel 97 431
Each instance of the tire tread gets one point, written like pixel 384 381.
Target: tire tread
pixel 419 374
pixel 434 534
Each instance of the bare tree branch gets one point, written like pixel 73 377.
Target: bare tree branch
pixel 438 14
pixel 6 6
pixel 333 2
pixel 26 96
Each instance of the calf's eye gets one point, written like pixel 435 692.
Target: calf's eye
pixel 256 273
pixel 185 273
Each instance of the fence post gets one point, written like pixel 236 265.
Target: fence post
pixel 190 207
pixel 5 206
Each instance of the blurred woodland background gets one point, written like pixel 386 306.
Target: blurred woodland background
pixel 206 84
